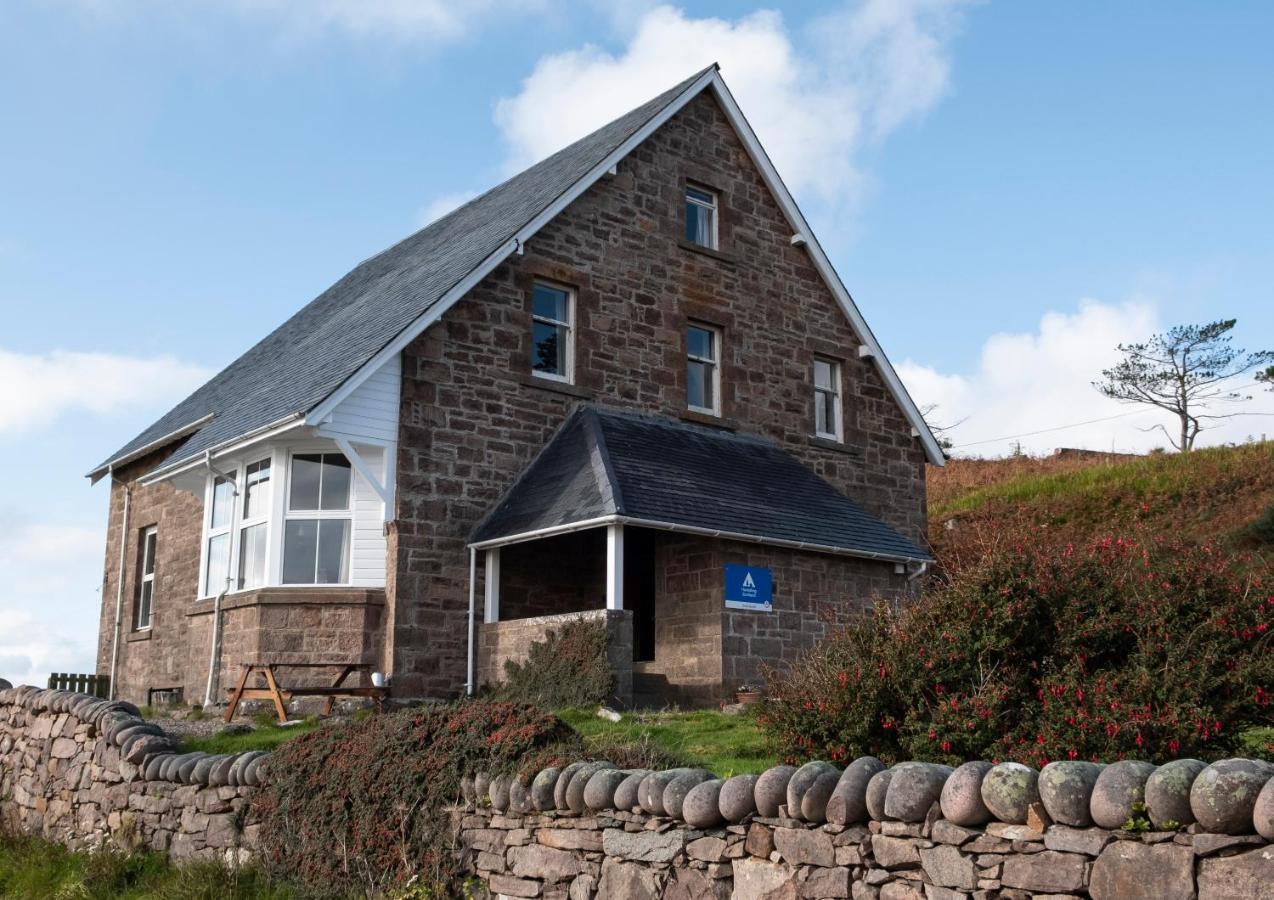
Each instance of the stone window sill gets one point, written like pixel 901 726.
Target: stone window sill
pixel 698 418
pixel 555 387
pixel 139 635
pixel 706 251
pixel 835 446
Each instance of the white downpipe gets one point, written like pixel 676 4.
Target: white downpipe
pixel 470 685
pixel 119 587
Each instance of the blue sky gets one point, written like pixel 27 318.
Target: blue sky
pixel 1008 189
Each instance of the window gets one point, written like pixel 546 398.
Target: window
pixel 827 414
pixel 146 581
pixel 217 550
pixel 703 375
pixel 316 533
pixel 254 525
pixel 701 217
pixel 552 351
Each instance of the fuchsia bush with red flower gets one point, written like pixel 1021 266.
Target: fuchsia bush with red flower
pixel 1122 648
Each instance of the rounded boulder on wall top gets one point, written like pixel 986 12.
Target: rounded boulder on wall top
pixel 1119 786
pixel 915 787
pixel 848 803
pixel 877 789
pixel 4 685
pixel 543 787
pixel 1168 792
pixel 579 781
pixel 498 791
pixel 1066 788
pixel 626 794
pixel 481 788
pixel 520 796
pixel 802 780
pixel 961 799
pixel 220 774
pixel 771 789
pixel 563 782
pixel 599 793
pixel 677 789
pixel 1223 796
pixel 737 798
pixel 701 808
pixel 1263 811
pixel 814 803
pixel 651 792
pixel 1008 791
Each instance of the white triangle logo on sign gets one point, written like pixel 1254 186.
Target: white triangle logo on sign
pixel 748 582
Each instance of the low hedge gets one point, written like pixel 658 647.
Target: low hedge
pixel 570 667
pixel 1124 648
pixel 361 806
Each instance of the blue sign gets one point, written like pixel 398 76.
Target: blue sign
pixel 748 587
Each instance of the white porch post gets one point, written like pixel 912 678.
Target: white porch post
pixel 614 566
pixel 491 580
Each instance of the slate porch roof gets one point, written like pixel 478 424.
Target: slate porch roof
pixel 309 356
pixel 644 469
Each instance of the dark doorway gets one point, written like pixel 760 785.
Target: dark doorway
pixel 639 589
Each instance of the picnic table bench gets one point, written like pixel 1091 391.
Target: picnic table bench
pixel 280 694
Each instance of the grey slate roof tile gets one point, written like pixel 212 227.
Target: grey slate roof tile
pixel 310 355
pixel 605 462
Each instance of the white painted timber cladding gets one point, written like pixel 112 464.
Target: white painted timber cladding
pixel 371 411
pixel 367 564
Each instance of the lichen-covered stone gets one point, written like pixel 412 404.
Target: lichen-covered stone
pixel 877 789
pixel 677 789
pixel 801 781
pixel 543 786
pixel 1118 787
pixel 520 797
pixel 701 806
pixel 1008 791
pixel 481 788
pixel 848 803
pixel 771 789
pixel 1066 789
pixel 737 799
pixel 626 795
pixel 1168 792
pixel 915 787
pixel 1263 811
pixel 961 799
pixel 1223 796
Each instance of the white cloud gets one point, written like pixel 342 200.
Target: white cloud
pixel 50 603
pixel 439 206
pixel 1039 381
pixel 39 388
pixel 815 103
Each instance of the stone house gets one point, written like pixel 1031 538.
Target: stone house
pixel 624 384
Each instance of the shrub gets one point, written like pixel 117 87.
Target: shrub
pixel 1261 530
pixel 1122 649
pixel 569 668
pixel 363 805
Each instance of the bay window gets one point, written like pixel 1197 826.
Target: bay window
pixel 254 530
pixel 316 530
pixel 217 546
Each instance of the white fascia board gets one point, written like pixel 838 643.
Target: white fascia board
pixel 488 265
pixel 234 445
pixel 141 451
pixel 788 204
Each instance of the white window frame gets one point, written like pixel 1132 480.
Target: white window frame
pixel 207 590
pixel 713 362
pixel 712 207
pixel 149 548
pixel 567 377
pixel 834 390
pixel 260 517
pixel 346 514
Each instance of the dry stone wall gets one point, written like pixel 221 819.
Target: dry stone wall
pixel 89 773
pixel 916 831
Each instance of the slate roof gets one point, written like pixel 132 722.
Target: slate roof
pixel 644 468
pixel 310 355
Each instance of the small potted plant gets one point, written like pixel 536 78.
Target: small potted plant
pixel 747 694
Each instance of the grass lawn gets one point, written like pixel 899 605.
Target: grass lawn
pixel 725 745
pixel 263 736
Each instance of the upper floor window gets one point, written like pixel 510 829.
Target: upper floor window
pixel 146 580
pixel 701 217
pixel 217 547
pixel 552 351
pixel 316 531
pixel 254 524
pixel 703 369
pixel 827 408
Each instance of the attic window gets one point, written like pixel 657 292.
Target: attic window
pixel 701 217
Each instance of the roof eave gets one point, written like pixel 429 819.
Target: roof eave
pixel 124 459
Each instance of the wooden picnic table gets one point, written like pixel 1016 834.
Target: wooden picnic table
pixel 280 694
